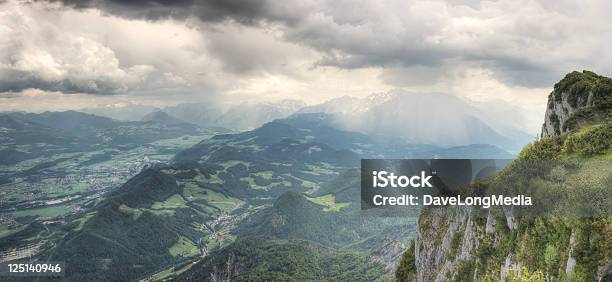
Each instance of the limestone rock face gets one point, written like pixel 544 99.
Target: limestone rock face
pixel 573 98
pixel 571 261
pixel 388 252
pixel 509 264
pixel 445 238
pixel 558 112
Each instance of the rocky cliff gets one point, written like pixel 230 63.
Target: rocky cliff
pixel 388 252
pixel 579 97
pixel 473 244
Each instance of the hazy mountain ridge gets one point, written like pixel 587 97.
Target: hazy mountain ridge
pixel 426 118
pixel 73 131
pixel 430 118
pixel 237 117
pixel 121 111
pixel 246 116
pixel 304 136
pixel 163 118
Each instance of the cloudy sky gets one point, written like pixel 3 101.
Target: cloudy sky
pixel 57 55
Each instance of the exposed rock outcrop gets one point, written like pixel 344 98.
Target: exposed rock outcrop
pixel 571 262
pixel 577 95
pixel 388 252
pixel 445 239
pixel 509 264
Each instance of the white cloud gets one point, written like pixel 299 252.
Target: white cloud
pixel 40 52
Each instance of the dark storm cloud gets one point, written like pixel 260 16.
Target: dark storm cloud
pixel 16 81
pixel 513 71
pixel 243 11
pixel 528 44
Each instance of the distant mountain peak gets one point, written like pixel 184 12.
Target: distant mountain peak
pixel 415 117
pixel 162 117
pixel 291 200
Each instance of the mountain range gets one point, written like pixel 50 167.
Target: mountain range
pixel 293 181
pixel 427 118
pixel 424 118
pixel 237 117
pixel 289 179
pixel 31 135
